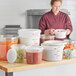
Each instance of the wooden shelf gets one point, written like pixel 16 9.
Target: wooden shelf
pixel 7 67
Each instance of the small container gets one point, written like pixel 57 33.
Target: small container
pixel 60 34
pixel 68 53
pixel 21 52
pixel 5 42
pixel 46 38
pixel 34 54
pixel 69 49
pixel 42 38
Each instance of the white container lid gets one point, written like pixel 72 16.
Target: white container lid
pixel 11 56
pixel 34 49
pixel 53 43
pixel 18 46
pixel 29 32
pixel 60 30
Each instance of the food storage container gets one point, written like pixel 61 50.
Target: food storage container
pixel 46 37
pixel 21 52
pixel 29 36
pixel 34 54
pixel 69 49
pixel 60 33
pixel 53 50
pixel 5 42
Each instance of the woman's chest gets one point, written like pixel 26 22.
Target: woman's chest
pixel 56 22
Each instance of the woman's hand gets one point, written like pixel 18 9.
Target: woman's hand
pixel 49 31
pixel 68 31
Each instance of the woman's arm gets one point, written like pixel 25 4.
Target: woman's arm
pixel 42 24
pixel 69 27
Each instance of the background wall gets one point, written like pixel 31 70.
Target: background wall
pixel 14 11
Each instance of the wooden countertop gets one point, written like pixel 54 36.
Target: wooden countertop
pixel 7 67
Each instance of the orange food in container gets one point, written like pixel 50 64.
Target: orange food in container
pixel 5 43
pixel 34 54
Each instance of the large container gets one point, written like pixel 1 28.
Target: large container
pixel 34 54
pixel 5 43
pixel 29 36
pixel 53 50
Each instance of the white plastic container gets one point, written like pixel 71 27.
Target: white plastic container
pixel 60 33
pixel 29 36
pixel 53 50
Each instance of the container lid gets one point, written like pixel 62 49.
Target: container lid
pixel 60 30
pixel 28 30
pixel 18 46
pixel 47 36
pixel 7 37
pixel 53 43
pixel 11 56
pixel 34 49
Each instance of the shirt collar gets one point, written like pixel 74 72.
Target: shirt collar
pixel 54 14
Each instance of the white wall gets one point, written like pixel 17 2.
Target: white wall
pixel 14 11
pixel 71 6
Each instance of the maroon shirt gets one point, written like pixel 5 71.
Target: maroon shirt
pixel 50 20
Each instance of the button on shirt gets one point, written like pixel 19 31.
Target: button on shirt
pixel 50 20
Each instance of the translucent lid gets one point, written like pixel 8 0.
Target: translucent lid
pixel 11 56
pixel 53 43
pixel 60 30
pixel 7 37
pixel 47 36
pixel 18 46
pixel 34 49
pixel 70 41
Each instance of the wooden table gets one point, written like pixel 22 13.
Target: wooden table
pixel 10 68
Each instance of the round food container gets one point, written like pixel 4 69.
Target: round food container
pixel 46 38
pixel 20 51
pixel 5 44
pixel 53 50
pixel 29 36
pixel 60 33
pixel 34 54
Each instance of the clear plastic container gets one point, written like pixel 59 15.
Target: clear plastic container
pixel 34 54
pixel 5 42
pixel 45 38
pixel 21 52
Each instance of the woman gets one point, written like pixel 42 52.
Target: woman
pixel 55 19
